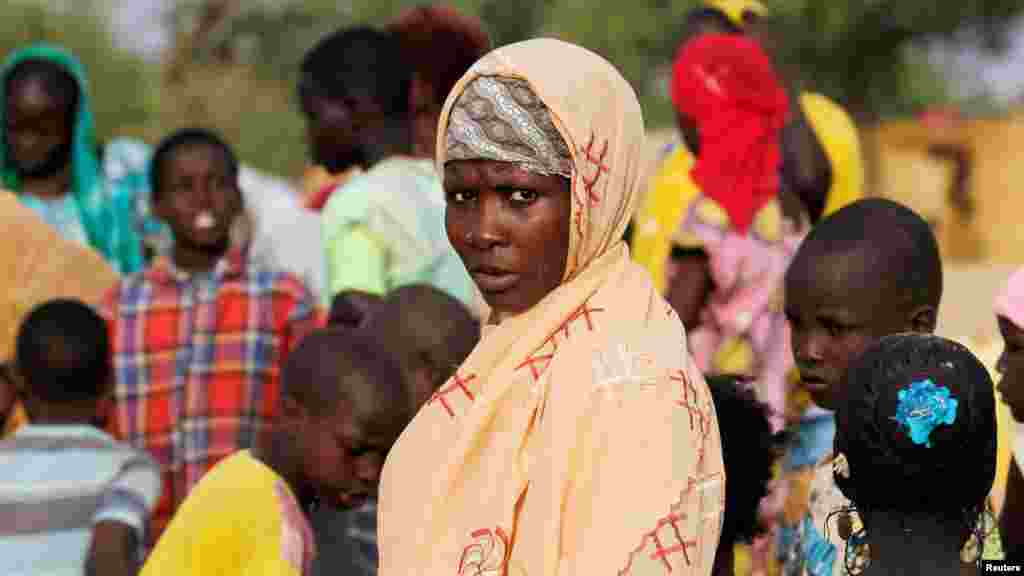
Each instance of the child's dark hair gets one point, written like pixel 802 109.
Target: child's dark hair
pixel 358 61
pixel 749 449
pixel 63 353
pixel 896 243
pixel 59 83
pixel 181 139
pixel 948 476
pixel 428 326
pixel 352 308
pixel 334 365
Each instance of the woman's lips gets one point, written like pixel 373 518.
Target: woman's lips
pixel 494 281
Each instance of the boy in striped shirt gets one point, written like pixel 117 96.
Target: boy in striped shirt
pixel 72 499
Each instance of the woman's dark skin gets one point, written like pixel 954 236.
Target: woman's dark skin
pixel 38 135
pixel 511 229
pixel 1011 390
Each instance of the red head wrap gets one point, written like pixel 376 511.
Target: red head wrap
pixel 726 84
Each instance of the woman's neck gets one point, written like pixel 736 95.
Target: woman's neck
pixel 914 545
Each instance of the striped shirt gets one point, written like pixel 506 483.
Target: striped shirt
pixel 196 363
pixel 56 483
pixel 346 540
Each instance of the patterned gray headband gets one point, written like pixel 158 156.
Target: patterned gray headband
pixel 498 118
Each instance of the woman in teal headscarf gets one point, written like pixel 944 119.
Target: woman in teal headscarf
pixel 49 155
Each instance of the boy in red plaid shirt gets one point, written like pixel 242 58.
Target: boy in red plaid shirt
pixel 198 339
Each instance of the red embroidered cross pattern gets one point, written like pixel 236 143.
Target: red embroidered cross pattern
pixel 584 312
pixel 597 161
pixel 540 359
pixel 457 382
pixel 677 544
pixel 662 552
pixel 535 360
pixel 690 402
pixel 680 546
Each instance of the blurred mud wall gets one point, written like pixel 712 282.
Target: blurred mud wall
pixel 962 174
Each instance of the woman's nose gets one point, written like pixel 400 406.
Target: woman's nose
pixel 487 230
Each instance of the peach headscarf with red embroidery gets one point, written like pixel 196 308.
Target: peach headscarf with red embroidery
pixel 578 437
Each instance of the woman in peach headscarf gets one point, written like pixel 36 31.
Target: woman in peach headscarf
pixel 578 437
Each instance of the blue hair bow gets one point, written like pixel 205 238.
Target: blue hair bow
pixel 923 407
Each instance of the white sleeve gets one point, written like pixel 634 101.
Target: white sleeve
pixel 132 494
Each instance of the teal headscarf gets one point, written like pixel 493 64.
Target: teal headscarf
pixel 106 216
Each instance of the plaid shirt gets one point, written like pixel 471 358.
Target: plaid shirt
pixel 196 363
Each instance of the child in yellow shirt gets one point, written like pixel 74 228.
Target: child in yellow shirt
pixel 343 404
pixel 12 413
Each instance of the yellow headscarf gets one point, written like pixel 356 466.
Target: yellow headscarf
pixel 838 136
pixel 526 461
pixel 736 9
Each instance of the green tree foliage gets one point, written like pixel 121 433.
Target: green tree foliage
pixel 864 53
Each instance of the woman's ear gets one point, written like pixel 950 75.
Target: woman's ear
pixel 923 319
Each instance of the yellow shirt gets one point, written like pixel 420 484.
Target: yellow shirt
pixel 670 195
pixel 838 136
pixel 17 419
pixel 240 519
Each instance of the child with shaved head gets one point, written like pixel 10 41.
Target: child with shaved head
pixel 343 405
pixel 431 334
pixel 867 271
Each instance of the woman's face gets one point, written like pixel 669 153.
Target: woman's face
pixel 1011 367
pixel 511 229
pixel 38 130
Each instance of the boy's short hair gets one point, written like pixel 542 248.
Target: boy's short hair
pixel 951 470
pixel 353 309
pixel 334 365
pixel 63 352
pixel 428 327
pixel 358 61
pixel 181 139
pixel 898 244
pixel 749 449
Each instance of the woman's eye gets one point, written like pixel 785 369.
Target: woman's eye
pixel 523 196
pixel 837 330
pixel 459 196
